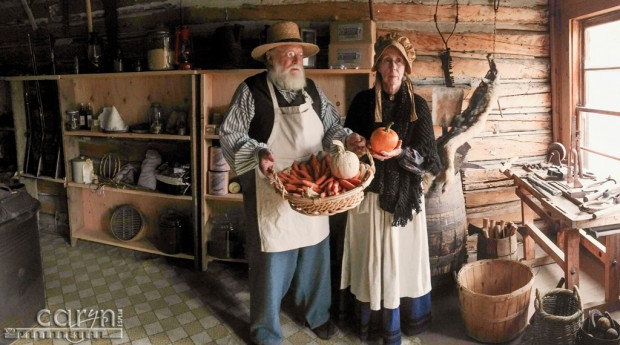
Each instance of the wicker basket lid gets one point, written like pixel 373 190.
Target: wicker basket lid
pixel 126 223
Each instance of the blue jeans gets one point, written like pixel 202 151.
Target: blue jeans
pixel 271 275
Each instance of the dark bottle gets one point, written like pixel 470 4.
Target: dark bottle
pixel 118 61
pixel 86 115
pixel 83 111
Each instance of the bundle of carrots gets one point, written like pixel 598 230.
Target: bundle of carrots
pixel 313 178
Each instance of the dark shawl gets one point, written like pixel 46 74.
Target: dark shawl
pixel 398 184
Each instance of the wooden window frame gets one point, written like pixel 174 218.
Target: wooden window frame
pixel 580 107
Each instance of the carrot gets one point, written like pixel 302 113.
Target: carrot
pixel 346 184
pixel 355 181
pixel 293 178
pixel 284 177
pixel 306 172
pixel 307 183
pixel 316 166
pixel 324 167
pixel 295 166
pixel 290 187
pixel 321 179
pixel 336 187
pixel 301 174
pixel 327 181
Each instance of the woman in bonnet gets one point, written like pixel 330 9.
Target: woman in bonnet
pixel 385 266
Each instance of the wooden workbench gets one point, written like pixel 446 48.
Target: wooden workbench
pixel 572 227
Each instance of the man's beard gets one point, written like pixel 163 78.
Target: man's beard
pixel 285 80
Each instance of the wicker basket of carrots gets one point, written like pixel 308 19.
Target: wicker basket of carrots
pixel 325 184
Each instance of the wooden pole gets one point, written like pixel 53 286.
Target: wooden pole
pixel 89 16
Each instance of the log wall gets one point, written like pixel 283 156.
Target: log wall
pixel 517 33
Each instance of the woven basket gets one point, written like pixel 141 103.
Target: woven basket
pixel 585 334
pixel 127 224
pixel 557 318
pixel 330 205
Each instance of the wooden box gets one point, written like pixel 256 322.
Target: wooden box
pixel 363 31
pixel 351 55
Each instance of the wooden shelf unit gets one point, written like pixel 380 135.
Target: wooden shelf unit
pixel 200 94
pixel 218 87
pixel 91 206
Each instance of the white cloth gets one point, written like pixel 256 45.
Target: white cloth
pixel 147 171
pixel 111 120
pixel 297 133
pixel 381 262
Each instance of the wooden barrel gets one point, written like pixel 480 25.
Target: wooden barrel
pixel 446 223
pixel 495 296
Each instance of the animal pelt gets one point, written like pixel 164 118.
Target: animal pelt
pixel 465 126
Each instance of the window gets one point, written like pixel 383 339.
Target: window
pixel 599 112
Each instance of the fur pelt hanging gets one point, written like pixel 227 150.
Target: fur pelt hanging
pixel 465 126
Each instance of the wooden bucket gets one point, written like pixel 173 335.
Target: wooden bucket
pixel 495 296
pixel 446 222
pixel 502 248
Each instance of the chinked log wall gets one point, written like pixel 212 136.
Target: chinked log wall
pixel 517 33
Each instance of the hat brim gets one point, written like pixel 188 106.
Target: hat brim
pixel 402 51
pixel 259 52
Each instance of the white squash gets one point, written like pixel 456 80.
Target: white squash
pixel 344 164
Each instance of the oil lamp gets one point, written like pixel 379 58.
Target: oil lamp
pixel 184 49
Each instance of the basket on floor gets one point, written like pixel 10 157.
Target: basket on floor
pixel 494 296
pixel 557 317
pixel 329 205
pixel 594 333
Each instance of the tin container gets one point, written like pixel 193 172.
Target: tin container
pixel 82 170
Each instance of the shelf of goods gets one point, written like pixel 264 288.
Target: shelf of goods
pixel 92 206
pixel 217 89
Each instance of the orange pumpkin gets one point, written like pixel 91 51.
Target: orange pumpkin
pixel 384 139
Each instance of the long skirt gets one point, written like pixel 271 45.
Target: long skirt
pixel 387 270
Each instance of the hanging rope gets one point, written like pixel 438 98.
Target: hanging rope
pixel 456 20
pixel 495 9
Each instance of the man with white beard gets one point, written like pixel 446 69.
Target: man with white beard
pixel 277 117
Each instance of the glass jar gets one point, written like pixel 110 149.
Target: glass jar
pixel 159 51
pixel 156 124
pixel 73 119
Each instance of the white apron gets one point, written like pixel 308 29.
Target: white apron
pixel 297 133
pixel 382 263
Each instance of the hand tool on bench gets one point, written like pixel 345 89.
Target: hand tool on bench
pixel 600 190
pixel 607 200
pixel 555 172
pixel 567 195
pixel 542 185
pixel 607 211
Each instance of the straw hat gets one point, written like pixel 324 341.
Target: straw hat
pixel 283 33
pixel 397 41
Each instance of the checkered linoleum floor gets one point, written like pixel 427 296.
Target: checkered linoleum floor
pixel 163 300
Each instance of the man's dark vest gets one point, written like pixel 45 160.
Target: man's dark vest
pixel 262 122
